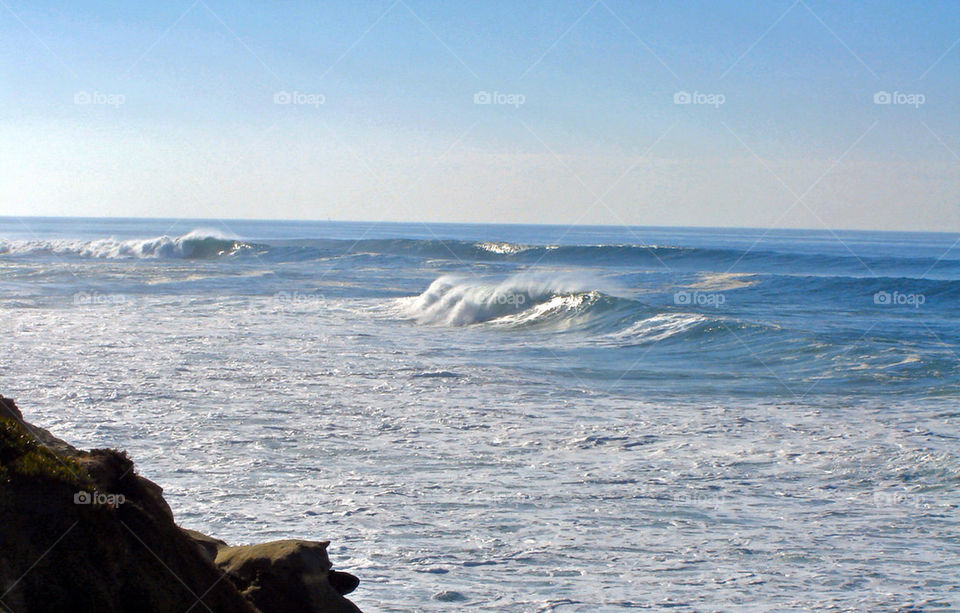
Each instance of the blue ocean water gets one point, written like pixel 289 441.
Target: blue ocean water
pixel 520 418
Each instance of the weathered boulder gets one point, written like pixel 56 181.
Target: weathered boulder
pixel 208 545
pixel 288 576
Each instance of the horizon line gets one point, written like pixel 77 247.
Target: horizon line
pixel 479 223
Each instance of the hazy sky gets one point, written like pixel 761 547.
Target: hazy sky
pixel 377 110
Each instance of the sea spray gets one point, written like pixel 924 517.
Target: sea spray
pixel 458 300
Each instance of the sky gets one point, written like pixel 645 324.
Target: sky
pixel 779 114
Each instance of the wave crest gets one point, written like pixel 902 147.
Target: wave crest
pixel 520 300
pixel 556 304
pixel 198 244
pixel 502 248
pixel 658 328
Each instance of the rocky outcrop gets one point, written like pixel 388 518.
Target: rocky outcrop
pixel 288 577
pixel 9 409
pixel 81 531
pixel 208 545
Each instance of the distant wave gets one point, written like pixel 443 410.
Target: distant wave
pixel 505 251
pixel 501 248
pixel 204 243
pixel 651 256
pixel 198 244
pixel 210 244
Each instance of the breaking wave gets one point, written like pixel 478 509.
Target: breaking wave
pixel 455 300
pixel 198 244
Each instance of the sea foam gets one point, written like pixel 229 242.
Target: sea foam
pixel 198 244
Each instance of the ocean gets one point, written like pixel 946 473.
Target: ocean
pixel 520 418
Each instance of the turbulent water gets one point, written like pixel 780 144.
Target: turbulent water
pixel 520 418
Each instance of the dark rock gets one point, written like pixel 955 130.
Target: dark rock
pixel 8 408
pixel 289 577
pixel 113 472
pixel 341 582
pixel 208 545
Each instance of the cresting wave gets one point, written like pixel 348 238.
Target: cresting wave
pixel 198 244
pixel 457 300
pixel 551 303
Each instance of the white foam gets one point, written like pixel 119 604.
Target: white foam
pixel 188 245
pixel 502 248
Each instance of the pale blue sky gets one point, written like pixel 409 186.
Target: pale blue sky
pixel 142 109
